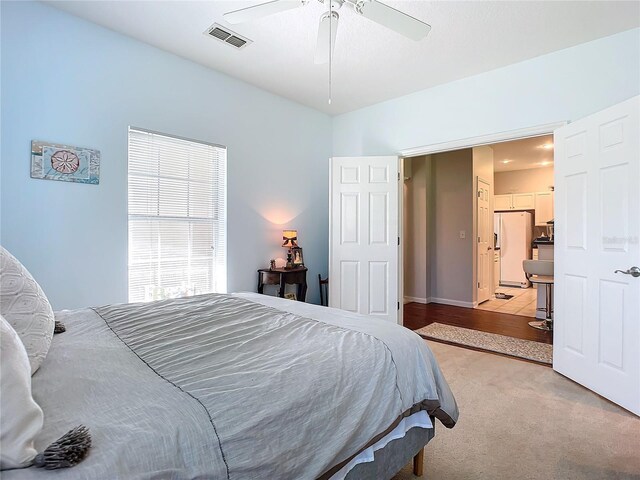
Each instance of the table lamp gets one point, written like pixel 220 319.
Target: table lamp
pixel 289 238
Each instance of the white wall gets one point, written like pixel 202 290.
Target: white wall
pixel 564 85
pixel 524 181
pixel 69 81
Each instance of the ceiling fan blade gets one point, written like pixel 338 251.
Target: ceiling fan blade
pixel 394 19
pixel 326 27
pixel 262 10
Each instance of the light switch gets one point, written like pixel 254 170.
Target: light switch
pixel 463 234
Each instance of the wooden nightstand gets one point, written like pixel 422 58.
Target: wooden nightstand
pixel 281 276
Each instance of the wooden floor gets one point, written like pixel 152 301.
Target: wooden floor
pixel 418 315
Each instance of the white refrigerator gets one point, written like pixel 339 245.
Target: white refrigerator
pixel 514 232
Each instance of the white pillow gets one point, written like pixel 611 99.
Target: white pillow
pixel 25 306
pixel 20 416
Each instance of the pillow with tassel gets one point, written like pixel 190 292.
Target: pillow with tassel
pixel 21 418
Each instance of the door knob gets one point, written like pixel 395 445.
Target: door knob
pixel 633 271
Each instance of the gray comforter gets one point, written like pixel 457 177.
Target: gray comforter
pixel 222 387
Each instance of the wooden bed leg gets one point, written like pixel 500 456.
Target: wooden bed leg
pixel 418 463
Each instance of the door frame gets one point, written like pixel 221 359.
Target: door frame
pixel 488 139
pixel 476 232
pixel 400 241
pixel 458 144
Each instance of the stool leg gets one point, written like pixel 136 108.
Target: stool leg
pixel 549 306
pixel 547 323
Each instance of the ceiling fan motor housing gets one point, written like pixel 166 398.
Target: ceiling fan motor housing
pixel 335 4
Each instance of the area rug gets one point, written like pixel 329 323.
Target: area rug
pixel 514 347
pixel 503 296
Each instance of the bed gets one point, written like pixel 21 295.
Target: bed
pixel 240 386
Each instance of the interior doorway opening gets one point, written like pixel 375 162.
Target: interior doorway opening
pixel 467 211
pixel 522 223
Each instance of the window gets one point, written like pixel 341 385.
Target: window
pixel 177 217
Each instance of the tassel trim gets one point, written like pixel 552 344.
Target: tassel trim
pixel 67 451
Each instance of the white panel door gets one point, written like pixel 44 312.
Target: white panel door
pixel 597 228
pixel 485 241
pixel 363 244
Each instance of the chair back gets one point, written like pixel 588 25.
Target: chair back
pixel 324 290
pixel 538 267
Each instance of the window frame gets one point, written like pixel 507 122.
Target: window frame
pixel 219 203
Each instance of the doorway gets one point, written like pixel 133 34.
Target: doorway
pixel 451 264
pixel 522 223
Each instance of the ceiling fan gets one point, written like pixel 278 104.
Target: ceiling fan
pixel 372 9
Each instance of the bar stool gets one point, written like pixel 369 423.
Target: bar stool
pixel 540 272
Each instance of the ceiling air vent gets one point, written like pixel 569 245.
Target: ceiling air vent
pixel 227 36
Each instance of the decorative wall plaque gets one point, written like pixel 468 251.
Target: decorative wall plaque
pixel 52 161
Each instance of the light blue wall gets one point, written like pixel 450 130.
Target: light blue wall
pixel 564 85
pixel 69 81
pixel 82 84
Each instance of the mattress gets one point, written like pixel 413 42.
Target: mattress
pixel 231 386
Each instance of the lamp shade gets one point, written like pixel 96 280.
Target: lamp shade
pixel 289 238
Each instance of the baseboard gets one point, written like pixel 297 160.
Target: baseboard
pixel 415 300
pixel 455 303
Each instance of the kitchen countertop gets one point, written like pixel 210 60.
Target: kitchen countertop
pixel 542 242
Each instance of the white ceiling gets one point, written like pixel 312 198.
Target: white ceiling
pixel 536 152
pixel 371 63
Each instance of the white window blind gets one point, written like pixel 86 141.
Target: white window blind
pixel 177 217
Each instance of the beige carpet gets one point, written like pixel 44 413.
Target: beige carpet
pixel 522 421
